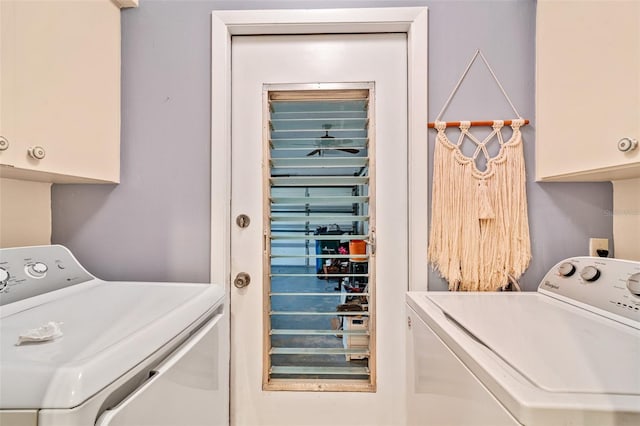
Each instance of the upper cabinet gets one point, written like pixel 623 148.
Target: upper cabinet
pixel 587 90
pixel 60 90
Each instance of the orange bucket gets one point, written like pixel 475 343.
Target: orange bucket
pixel 357 247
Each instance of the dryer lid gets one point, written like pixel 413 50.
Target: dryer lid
pixel 108 328
pixel 556 346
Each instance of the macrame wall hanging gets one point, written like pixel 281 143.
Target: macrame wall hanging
pixel 479 238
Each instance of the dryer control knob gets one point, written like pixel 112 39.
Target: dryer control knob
pixel 4 277
pixel 37 269
pixel 566 269
pixel 590 273
pixel 633 283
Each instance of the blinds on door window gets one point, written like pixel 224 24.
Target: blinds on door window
pixel 319 220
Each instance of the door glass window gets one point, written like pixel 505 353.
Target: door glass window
pixel 319 232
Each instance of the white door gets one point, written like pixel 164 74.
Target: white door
pixel 257 61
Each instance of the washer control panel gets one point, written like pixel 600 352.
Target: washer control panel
pixel 610 285
pixel 29 271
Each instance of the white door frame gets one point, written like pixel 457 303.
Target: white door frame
pixel 225 24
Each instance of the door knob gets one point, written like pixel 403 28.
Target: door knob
pixel 243 221
pixel 242 280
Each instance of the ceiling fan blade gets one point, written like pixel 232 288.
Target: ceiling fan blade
pixel 329 142
pixel 349 150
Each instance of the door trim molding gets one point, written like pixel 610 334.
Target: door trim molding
pixel 225 24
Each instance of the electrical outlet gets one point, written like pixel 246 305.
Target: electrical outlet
pixel 596 244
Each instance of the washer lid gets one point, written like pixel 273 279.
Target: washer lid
pixel 556 346
pixel 108 328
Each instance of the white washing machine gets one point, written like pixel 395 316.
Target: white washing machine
pixel 568 354
pixel 107 353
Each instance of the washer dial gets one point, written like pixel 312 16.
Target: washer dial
pixel 37 270
pixel 590 273
pixel 633 283
pixel 566 269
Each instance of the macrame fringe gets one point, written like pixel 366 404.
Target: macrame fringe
pixel 479 223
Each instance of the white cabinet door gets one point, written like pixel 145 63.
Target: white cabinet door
pixel 60 90
pixel 587 89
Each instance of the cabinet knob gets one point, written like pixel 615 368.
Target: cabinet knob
pixel 627 144
pixel 4 143
pixel 37 152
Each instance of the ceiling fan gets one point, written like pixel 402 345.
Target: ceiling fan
pixel 326 142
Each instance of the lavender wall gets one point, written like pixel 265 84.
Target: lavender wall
pixel 155 225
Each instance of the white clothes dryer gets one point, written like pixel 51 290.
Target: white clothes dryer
pixel 568 354
pixel 126 353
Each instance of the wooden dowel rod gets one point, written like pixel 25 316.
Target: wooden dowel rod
pixel 488 123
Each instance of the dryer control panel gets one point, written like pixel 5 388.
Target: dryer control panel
pixel 30 271
pixel 602 285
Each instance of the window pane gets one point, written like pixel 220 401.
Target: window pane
pixel 318 274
